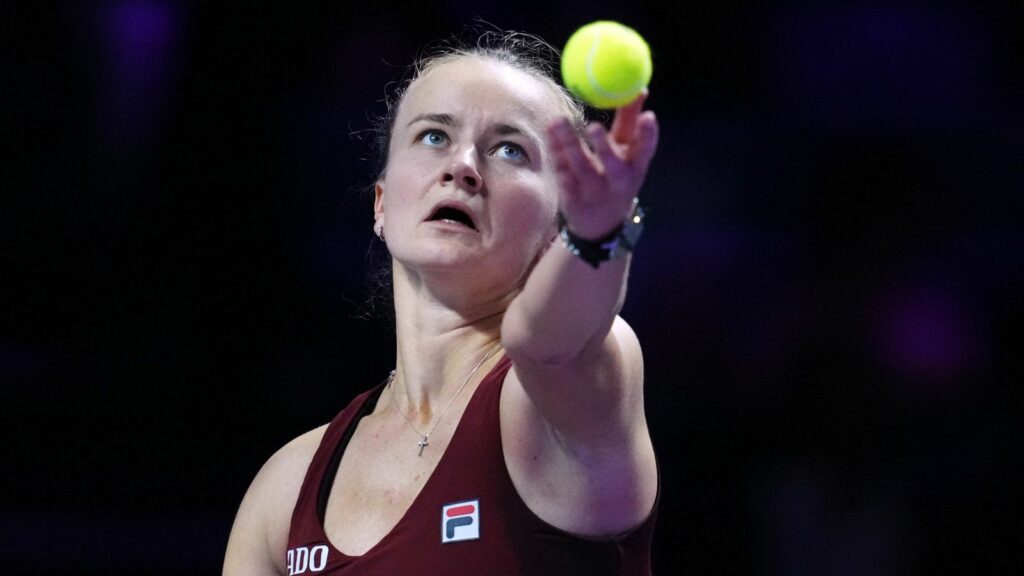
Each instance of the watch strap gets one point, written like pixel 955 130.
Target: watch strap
pixel 613 245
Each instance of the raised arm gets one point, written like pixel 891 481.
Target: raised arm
pixel 567 307
pixel 578 364
pixel 564 316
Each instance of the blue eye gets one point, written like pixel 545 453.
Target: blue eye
pixel 433 138
pixel 511 151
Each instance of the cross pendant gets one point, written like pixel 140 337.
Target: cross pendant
pixel 422 444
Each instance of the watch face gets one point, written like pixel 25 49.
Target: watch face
pixel 632 233
pixel 594 252
pixel 633 227
pixel 615 248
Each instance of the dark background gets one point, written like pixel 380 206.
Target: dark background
pixel 826 293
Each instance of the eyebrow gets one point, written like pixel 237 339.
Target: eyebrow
pixel 509 130
pixel 449 120
pixel 443 119
pixel 501 129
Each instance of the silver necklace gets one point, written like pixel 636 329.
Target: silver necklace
pixel 423 443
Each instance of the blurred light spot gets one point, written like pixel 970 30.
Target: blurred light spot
pixel 140 42
pixel 928 335
pixel 912 65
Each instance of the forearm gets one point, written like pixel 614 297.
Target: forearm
pixel 566 308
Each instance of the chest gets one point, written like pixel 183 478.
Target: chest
pixel 385 468
pixel 451 510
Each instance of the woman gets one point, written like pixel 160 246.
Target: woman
pixel 511 437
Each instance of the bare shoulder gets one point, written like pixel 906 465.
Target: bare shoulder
pixel 259 536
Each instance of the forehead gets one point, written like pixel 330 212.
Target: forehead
pixel 493 90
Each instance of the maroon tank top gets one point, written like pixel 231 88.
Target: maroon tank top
pixel 467 519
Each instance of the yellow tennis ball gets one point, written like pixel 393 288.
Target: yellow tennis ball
pixel 606 64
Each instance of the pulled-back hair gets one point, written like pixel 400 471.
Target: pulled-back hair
pixel 522 51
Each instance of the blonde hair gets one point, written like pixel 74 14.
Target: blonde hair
pixel 522 51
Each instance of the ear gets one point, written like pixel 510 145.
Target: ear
pixel 378 200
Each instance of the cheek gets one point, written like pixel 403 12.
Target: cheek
pixel 535 204
pixel 528 222
pixel 532 220
pixel 402 192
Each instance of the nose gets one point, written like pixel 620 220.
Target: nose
pixel 463 171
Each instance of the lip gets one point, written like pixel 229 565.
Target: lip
pixel 451 227
pixel 460 206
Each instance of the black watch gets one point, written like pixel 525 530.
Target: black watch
pixel 613 245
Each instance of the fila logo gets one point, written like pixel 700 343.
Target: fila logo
pixel 460 521
pixel 305 559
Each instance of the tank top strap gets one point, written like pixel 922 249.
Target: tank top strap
pixel 467 519
pixel 307 517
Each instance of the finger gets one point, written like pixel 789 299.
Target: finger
pixel 603 149
pixel 643 149
pixel 565 140
pixel 624 125
pixel 561 135
pixel 565 175
pixel 585 167
pixel 569 157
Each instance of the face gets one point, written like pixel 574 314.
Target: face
pixel 469 184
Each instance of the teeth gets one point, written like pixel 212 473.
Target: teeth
pixel 453 216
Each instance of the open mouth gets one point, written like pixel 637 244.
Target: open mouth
pixel 452 216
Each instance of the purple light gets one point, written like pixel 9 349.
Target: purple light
pixel 140 41
pixel 913 65
pixel 927 334
pixel 142 27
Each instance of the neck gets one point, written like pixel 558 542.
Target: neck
pixel 438 345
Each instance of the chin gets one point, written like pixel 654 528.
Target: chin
pixel 437 258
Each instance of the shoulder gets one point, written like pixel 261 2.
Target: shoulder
pixel 280 478
pixel 293 457
pixel 259 536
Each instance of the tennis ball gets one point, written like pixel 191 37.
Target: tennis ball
pixel 606 64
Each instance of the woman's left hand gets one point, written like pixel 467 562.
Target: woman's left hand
pixel 598 183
